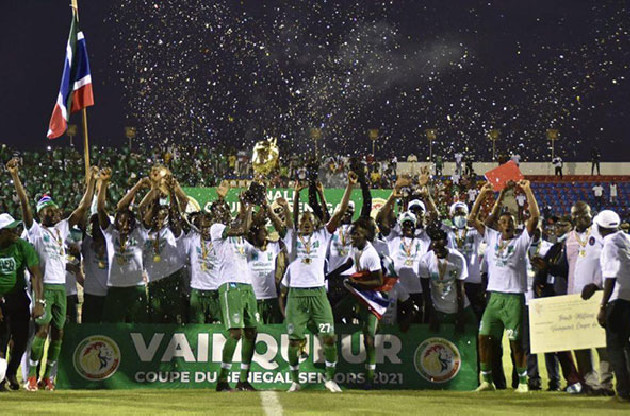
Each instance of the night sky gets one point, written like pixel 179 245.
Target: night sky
pixel 235 72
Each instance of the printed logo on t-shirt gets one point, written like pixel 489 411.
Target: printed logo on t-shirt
pixel 501 257
pixel 8 265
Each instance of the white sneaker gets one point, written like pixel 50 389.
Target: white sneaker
pixel 332 386
pixel 294 387
pixel 485 386
pixel 574 388
pixel 522 388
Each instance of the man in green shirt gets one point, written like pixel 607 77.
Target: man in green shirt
pixel 15 256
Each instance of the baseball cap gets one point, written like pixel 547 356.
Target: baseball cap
pixel 457 205
pixel 407 216
pixel 45 201
pixel 607 219
pixel 416 203
pixel 7 221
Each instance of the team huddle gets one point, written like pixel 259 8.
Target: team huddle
pixel 148 260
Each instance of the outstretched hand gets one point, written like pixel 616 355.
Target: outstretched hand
pixel 105 174
pixel 13 166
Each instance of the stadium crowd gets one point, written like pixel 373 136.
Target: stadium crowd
pixel 437 252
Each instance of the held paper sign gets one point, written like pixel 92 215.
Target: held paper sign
pixel 565 323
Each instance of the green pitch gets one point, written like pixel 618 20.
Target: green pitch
pixel 395 403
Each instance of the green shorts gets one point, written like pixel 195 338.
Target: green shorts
pixel 204 306
pixel 369 321
pixel 269 311
pixel 504 311
pixel 450 318
pixel 238 306
pixel 306 305
pixel 56 306
pixel 126 304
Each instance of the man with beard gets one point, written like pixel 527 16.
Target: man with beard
pixel 507 281
pixel 48 237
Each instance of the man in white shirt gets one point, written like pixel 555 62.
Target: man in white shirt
pixel 583 251
pixel 507 281
pixel 48 236
pixel 613 193
pixel 557 164
pixel 614 314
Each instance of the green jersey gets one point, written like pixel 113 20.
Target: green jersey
pixel 13 260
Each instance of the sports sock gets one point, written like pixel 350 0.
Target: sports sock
pixel 228 353
pixel 522 375
pixel 486 372
pixel 247 351
pixel 54 349
pixel 330 352
pixel 293 362
pixel 37 352
pixel 370 362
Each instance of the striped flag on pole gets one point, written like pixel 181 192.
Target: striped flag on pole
pixel 75 92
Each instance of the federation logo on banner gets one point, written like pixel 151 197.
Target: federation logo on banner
pixel 437 360
pixel 96 358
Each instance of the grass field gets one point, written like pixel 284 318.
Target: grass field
pixel 399 403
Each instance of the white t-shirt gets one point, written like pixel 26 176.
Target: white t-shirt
pixel 262 269
pixel 598 190
pixel 125 263
pixel 613 189
pixel 583 255
pixel 163 255
pixel 310 258
pixel 520 199
pixel 366 259
pixel 231 257
pixel 615 262
pixel 557 162
pixel 397 294
pixel 458 157
pixel 467 242
pixel 96 269
pixel 516 159
pixel 444 282
pixel 51 249
pixel 507 262
pixel 339 249
pixel 204 267
pixel 535 250
pixel 472 194
pixel 407 253
pixel 381 246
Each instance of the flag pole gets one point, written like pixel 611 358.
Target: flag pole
pixel 74 4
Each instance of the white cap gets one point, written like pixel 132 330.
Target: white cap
pixel 7 221
pixel 351 205
pixel 607 219
pixel 407 216
pixel 455 206
pixel 416 203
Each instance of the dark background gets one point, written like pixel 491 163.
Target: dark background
pixel 233 72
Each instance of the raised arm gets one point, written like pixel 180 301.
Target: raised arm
pixel 496 208
pixel 27 215
pixel 241 227
pixel 335 220
pixel 125 201
pixel 275 220
pixel 288 215
pixel 174 214
pixel 473 217
pixel 105 177
pixel 296 202
pixel 322 197
pixel 383 216
pixel 534 211
pixel 78 216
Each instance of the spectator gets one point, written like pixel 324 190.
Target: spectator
pixel 458 163
pixel 613 193
pixel 595 157
pixel 439 165
pixel 598 194
pixel 516 158
pixel 557 163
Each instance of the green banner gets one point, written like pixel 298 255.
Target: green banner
pixel 124 356
pixel 202 198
